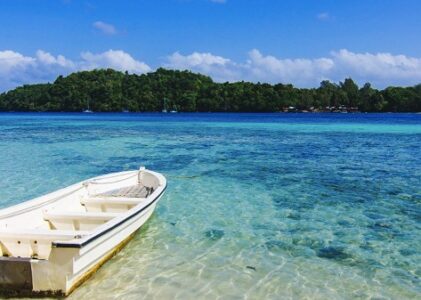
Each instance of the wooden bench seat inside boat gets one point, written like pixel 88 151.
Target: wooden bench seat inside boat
pixel 133 191
pixel 33 243
pixel 117 200
pixel 78 220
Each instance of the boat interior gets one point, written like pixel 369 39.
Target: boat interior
pixel 96 210
pixel 30 235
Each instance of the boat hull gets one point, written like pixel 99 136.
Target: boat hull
pixel 69 265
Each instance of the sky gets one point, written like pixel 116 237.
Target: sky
pixel 289 41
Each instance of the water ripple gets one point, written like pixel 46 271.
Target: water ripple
pixel 258 206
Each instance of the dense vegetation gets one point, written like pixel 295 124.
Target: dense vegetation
pixel 109 90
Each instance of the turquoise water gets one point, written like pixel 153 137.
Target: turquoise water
pixel 259 206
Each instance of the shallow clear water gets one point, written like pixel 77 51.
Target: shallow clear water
pixel 258 206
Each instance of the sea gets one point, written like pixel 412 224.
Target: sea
pixel 258 206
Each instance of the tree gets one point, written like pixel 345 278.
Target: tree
pixel 110 90
pixel 350 88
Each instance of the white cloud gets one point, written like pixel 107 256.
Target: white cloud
pixel 197 59
pixel 105 28
pixel 10 60
pixel 46 58
pixel 219 1
pixel 220 68
pixel 381 69
pixel 17 69
pixel 298 71
pixel 256 68
pixel 115 59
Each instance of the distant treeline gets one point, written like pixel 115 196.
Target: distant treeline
pixel 113 91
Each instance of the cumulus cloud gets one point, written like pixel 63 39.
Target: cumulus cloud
pixel 47 59
pixel 105 28
pixel 300 71
pixel 10 60
pixel 220 68
pixel 17 69
pixel 115 59
pixel 197 59
pixel 381 69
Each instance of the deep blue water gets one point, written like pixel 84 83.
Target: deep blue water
pixel 258 206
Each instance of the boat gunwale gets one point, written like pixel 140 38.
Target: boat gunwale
pixel 101 230
pixel 51 197
pixel 84 241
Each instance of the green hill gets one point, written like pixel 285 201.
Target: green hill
pixel 109 90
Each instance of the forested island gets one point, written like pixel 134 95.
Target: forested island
pixel 107 90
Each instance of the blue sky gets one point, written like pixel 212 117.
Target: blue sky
pixel 299 42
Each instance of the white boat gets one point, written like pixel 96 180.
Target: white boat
pixel 87 110
pixel 51 244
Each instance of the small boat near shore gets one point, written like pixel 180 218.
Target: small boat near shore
pixel 51 244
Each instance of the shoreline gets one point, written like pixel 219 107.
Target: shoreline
pixel 210 112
